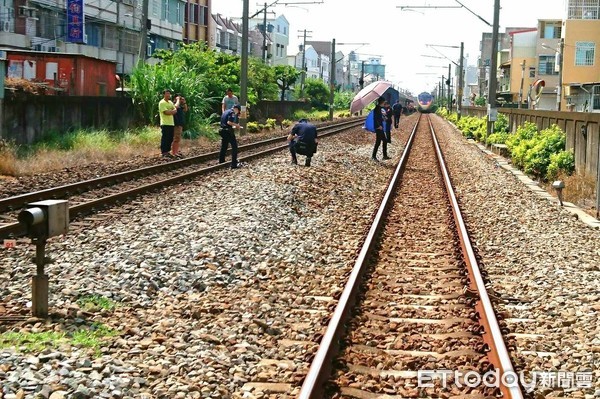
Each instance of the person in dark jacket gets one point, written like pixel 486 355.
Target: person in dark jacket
pixel 388 122
pixel 397 110
pixel 379 133
pixel 229 121
pixel 304 136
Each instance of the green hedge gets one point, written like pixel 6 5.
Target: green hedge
pixel 539 153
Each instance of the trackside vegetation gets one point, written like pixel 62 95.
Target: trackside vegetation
pixel 540 153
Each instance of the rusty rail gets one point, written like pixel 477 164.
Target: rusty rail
pixel 492 336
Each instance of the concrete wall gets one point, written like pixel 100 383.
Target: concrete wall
pixel 275 109
pixel 586 146
pixel 28 118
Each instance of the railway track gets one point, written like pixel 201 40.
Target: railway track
pixel 414 305
pixel 424 309
pixel 89 196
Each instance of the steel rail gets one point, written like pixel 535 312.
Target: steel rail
pixel 16 229
pixel 319 372
pixel 492 335
pixel 17 201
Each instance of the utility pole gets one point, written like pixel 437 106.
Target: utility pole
pixel 332 80
pixel 264 46
pixel 244 71
pixel 492 110
pixel 443 97
pixel 560 74
pixel 449 92
pixel 522 80
pixel 144 33
pixel 303 74
pixel 361 81
pixel 460 81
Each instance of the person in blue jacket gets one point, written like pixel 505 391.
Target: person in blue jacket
pixel 229 121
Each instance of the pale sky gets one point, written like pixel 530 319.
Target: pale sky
pixel 400 37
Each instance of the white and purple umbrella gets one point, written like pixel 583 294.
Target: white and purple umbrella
pixel 369 94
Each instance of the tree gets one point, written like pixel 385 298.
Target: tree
pixel 261 81
pixel 318 93
pixel 286 76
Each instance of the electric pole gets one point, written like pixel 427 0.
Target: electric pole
pixel 560 74
pixel 460 81
pixel 264 46
pixel 303 74
pixel 144 33
pixel 449 92
pixel 492 110
pixel 332 80
pixel 522 79
pixel 244 71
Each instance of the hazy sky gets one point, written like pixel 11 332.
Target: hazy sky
pixel 400 37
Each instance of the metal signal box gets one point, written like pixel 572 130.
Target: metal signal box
pixel 46 219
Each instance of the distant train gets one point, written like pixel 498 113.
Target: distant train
pixel 425 103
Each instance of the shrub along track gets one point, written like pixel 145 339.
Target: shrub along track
pixel 91 195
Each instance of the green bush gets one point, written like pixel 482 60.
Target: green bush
pixel 547 142
pixel 497 138
pixel 563 161
pixel 501 124
pixel 270 123
pixel 286 123
pixel 252 127
pixel 472 127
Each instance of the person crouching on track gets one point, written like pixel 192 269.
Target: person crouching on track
pixel 379 132
pixel 303 141
pixel 229 121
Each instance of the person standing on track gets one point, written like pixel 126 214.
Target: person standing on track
pixel 179 119
pixel 228 101
pixel 379 133
pixel 303 140
pixel 397 110
pixel 229 120
pixel 166 110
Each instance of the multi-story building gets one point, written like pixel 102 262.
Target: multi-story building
pixel 197 21
pixel 103 29
pixel 581 62
pixel 278 34
pixel 317 65
pixel 226 35
pixel 323 48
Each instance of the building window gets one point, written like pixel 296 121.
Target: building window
pixel 203 15
pixel 550 30
pixel 546 65
pixel 285 30
pixel 584 53
pixel 596 97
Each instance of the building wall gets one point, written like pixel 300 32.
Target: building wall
pixel 75 75
pixel 581 31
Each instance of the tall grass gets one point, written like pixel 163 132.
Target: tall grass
pixel 75 148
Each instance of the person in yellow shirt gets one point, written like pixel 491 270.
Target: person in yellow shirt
pixel 166 110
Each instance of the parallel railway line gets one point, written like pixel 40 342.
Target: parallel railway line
pixel 92 195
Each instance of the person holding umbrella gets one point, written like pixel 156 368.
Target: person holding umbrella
pixel 379 130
